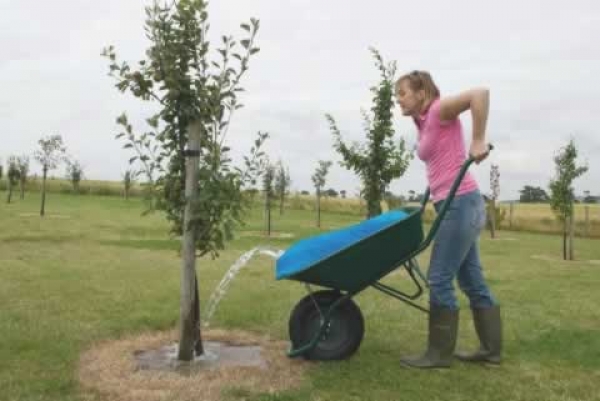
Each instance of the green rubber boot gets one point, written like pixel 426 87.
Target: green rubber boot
pixel 488 325
pixel 443 326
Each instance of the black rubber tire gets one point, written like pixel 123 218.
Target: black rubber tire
pixel 345 332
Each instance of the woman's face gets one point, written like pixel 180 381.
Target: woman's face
pixel 410 101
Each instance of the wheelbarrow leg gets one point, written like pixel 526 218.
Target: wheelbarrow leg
pixel 414 266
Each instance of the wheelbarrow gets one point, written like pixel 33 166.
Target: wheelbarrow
pixel 327 324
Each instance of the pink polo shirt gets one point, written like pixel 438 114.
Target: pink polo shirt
pixel 441 146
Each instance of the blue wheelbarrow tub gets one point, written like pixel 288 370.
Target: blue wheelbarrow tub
pixel 308 252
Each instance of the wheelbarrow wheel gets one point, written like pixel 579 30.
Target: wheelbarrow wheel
pixel 343 335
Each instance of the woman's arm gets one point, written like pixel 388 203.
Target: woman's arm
pixel 478 101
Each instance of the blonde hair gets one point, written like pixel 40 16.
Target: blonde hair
pixel 420 80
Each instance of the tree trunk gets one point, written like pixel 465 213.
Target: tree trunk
pixel 281 205
pixel 199 347
pixel 565 238
pixel 22 187
pixel 43 209
pixel 571 236
pixel 9 191
pixel 510 216
pixel 126 193
pixel 268 214
pixel 318 208
pixel 373 207
pixel 493 218
pixel 187 328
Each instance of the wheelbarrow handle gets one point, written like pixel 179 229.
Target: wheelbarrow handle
pixel 449 198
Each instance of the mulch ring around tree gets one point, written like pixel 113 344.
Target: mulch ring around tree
pixel 144 367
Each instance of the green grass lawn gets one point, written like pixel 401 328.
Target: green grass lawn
pixel 93 269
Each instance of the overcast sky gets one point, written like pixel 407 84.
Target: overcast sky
pixel 538 58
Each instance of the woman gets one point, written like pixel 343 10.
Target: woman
pixel 455 252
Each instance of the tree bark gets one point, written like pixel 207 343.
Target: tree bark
pixel 9 191
pixel 43 209
pixel 187 330
pixel 373 207
pixel 493 218
pixel 510 216
pixel 571 237
pixel 198 347
pixel 565 238
pixel 268 214
pixel 281 205
pixel 318 208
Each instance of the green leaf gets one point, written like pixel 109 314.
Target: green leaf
pixel 245 27
pixel 245 43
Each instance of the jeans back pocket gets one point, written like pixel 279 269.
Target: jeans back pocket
pixel 479 213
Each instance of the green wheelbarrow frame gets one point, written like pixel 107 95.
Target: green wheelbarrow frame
pixel 342 271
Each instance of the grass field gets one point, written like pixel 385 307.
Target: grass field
pixel 94 270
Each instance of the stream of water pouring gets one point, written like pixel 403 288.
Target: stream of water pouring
pixel 221 289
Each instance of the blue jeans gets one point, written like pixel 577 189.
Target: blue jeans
pixel 455 254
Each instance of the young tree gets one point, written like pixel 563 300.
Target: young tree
pixel 332 193
pixel 562 196
pixel 188 167
pixel 495 187
pixel 12 175
pixel 319 179
pixel 343 194
pixel 268 178
pixel 282 184
pixel 381 159
pixel 251 194
pixel 23 165
pixel 530 194
pixel 74 174
pixel 128 181
pixel 51 153
pixel 393 201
